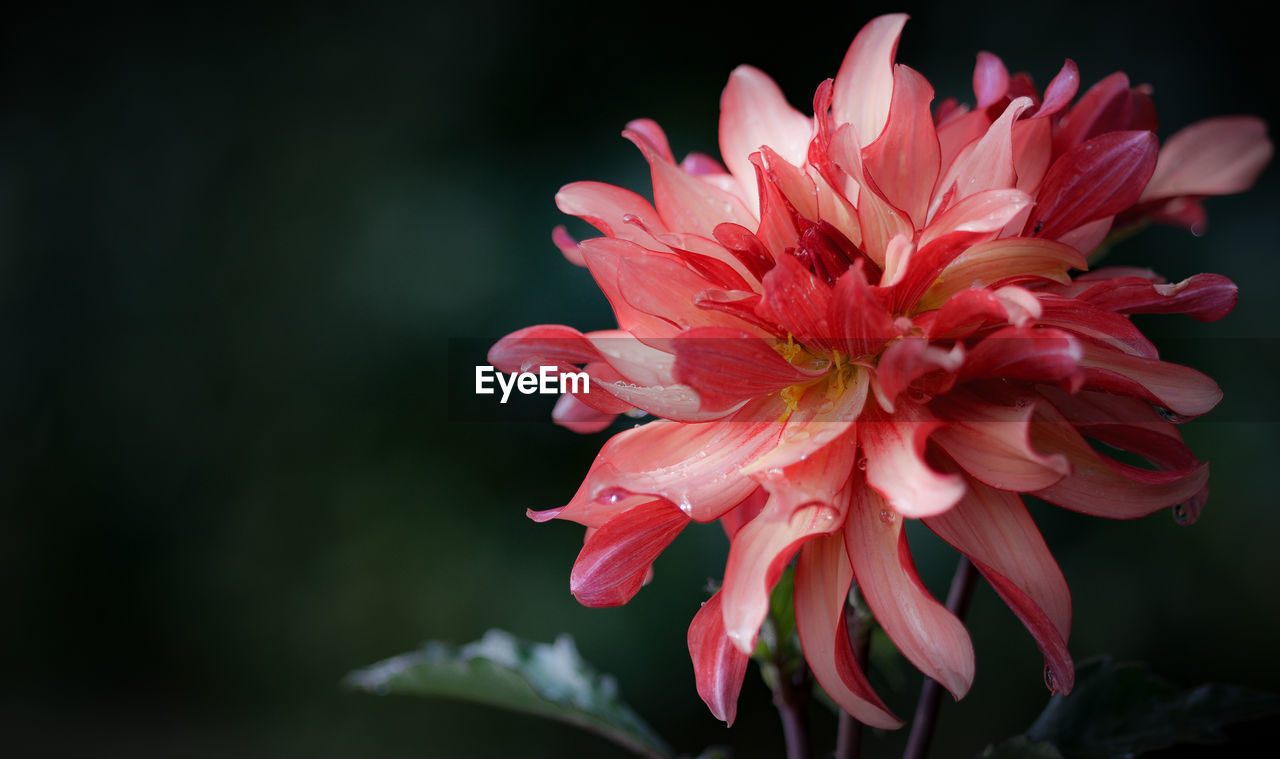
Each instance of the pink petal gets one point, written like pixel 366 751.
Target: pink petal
pixel 823 579
pixel 718 666
pixel 1060 91
pixel 1107 106
pixel 762 549
pixel 607 208
pixel 686 202
pixel 905 159
pixel 894 448
pixel 986 211
pixel 614 561
pixel 605 259
pixel 1102 326
pixel 992 442
pixel 1099 178
pixel 567 245
pixel 694 466
pixel 1032 152
pixel 986 164
pixel 994 530
pixel 990 79
pixel 754 112
pixel 864 85
pixel 1211 157
pixel 552 342
pixel 573 414
pixel 923 630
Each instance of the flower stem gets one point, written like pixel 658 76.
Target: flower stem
pixel 931 692
pixel 791 696
pixel 849 731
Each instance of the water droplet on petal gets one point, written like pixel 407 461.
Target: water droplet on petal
pixel 862 463
pixel 887 516
pixel 1049 682
pixel 611 495
pixel 1182 514
pixel 827 407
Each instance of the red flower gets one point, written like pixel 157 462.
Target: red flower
pixel 870 315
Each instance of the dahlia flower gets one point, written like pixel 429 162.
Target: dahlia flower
pixel 877 313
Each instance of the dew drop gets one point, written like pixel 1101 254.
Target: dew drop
pixel 1182 515
pixel 611 495
pixel 1049 682
pixel 918 396
pixel 1023 402
pixel 827 407
pixel 862 463
pixel 887 516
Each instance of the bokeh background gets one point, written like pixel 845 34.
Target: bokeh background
pixel 245 252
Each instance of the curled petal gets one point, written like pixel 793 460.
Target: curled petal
pixel 617 556
pixel 1060 91
pixel 798 301
pixel 759 553
pixel 1005 260
pixel 992 442
pixel 612 210
pixel 1101 486
pixel 718 666
pixel 905 158
pixel 923 630
pixel 1204 297
pixel 823 579
pixel 552 342
pixel 896 466
pixel 864 85
pixel 861 322
pixel 754 112
pixel 1180 389
pixel 909 359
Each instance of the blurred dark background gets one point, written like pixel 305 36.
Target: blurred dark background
pixel 236 247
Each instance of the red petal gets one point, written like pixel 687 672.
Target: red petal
pixel 718 667
pixel 1037 354
pixel 859 320
pixel 1100 178
pixel 798 301
pixel 1060 91
pixel 1206 297
pixel 905 159
pixel 1180 389
pixel 725 366
pixel 607 208
pixel 612 565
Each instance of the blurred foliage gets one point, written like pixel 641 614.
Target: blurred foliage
pixel 1117 711
pixel 236 246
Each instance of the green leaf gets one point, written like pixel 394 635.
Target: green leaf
pixel 1121 710
pixel 536 678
